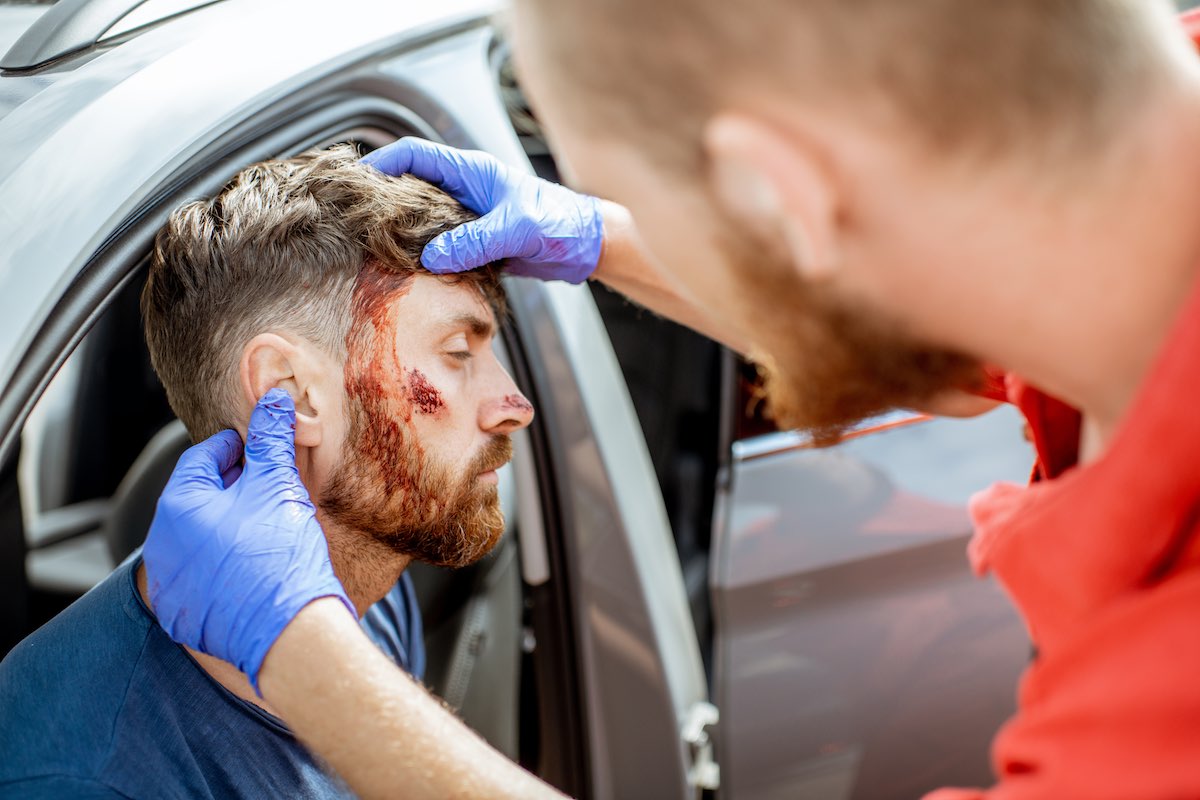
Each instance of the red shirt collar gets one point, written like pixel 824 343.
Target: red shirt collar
pixel 1075 540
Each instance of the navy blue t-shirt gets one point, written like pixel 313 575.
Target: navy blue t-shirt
pixel 100 703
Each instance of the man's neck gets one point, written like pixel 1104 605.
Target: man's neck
pixel 367 568
pixel 367 571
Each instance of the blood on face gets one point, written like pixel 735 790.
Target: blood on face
pixel 517 402
pixel 386 484
pixel 373 379
pixel 425 398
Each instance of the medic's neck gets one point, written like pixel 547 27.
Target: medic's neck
pixel 1102 296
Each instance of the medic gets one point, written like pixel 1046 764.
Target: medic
pixel 872 198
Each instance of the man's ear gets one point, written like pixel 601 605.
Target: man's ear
pixel 776 182
pixel 271 361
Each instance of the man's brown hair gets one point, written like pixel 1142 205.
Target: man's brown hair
pixel 280 249
pixel 1038 77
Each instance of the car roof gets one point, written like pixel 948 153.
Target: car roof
pixel 83 143
pixel 15 19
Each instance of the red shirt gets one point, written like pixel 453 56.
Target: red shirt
pixel 1103 562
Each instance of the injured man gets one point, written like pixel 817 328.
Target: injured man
pixel 302 275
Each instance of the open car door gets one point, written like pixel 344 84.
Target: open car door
pixel 856 655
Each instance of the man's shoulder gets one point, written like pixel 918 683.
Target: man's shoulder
pixel 100 699
pixel 56 787
pixel 64 684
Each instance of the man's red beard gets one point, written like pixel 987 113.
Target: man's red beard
pixel 388 488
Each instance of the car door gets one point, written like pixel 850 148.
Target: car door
pixel 856 654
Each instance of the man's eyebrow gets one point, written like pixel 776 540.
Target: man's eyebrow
pixel 483 328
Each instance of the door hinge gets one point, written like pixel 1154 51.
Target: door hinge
pixel 704 773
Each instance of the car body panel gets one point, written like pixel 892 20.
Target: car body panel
pixel 853 643
pixel 14 21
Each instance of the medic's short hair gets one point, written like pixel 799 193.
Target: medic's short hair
pixel 1037 79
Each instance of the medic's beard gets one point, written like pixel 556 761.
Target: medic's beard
pixel 826 363
pixel 389 489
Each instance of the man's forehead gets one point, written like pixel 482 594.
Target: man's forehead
pixel 435 302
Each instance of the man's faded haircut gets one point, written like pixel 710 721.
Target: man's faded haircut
pixel 1034 78
pixel 280 249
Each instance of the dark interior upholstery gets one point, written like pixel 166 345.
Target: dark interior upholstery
pixel 137 494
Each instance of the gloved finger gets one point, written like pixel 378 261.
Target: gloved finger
pixel 393 159
pixel 439 164
pixel 229 476
pixel 470 245
pixel 271 435
pixel 203 463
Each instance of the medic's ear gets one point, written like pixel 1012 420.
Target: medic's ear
pixel 776 182
pixel 270 361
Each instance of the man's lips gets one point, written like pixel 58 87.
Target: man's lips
pixel 492 470
pixel 493 457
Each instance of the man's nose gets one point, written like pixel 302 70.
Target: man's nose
pixel 507 412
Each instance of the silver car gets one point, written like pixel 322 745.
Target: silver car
pixel 688 601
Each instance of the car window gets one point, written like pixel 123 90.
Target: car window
pixel 83 436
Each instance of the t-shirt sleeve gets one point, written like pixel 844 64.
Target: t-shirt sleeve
pixel 56 787
pixel 394 624
pixel 416 629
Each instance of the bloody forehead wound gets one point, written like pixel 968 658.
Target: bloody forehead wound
pixel 371 343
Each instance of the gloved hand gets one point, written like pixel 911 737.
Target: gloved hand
pixel 231 558
pixel 543 230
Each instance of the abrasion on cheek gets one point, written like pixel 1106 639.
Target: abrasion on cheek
pixel 423 395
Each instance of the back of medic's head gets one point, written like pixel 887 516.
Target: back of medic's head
pixel 989 78
pixel 279 249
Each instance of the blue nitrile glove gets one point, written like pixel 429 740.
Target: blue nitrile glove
pixel 231 559
pixel 541 229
